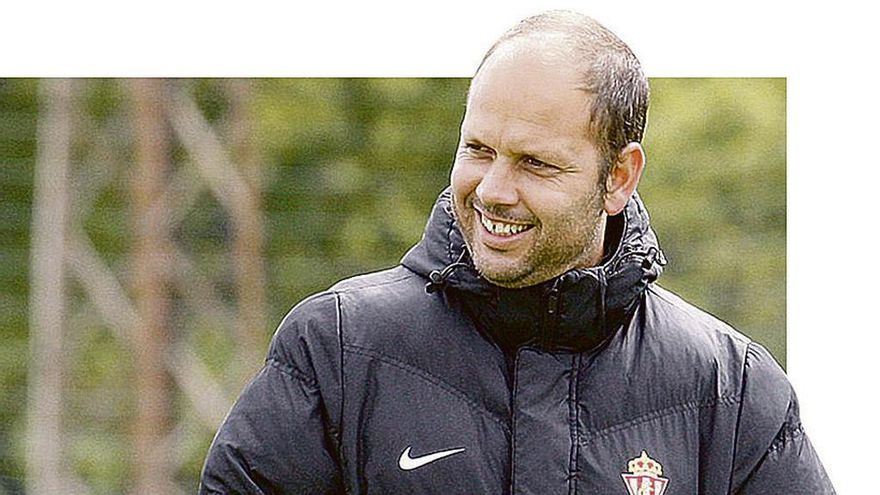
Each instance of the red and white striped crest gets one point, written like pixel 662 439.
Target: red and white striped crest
pixel 645 476
pixel 645 485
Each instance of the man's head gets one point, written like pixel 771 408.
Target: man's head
pixel 549 146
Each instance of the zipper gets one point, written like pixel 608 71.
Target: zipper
pixel 553 301
pixel 552 311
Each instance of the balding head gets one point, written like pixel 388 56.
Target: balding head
pixel 607 70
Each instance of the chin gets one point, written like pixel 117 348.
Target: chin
pixel 502 274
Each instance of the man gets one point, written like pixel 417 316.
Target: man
pixel 522 346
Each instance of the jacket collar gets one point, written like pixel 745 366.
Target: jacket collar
pixel 574 312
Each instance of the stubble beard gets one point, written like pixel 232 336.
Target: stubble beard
pixel 574 242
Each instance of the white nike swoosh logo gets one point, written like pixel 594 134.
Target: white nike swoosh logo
pixel 406 462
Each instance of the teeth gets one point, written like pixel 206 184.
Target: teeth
pixel 502 228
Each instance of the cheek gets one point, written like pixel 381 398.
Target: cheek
pixel 464 179
pixel 561 209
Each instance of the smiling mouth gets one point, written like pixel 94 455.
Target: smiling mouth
pixel 503 229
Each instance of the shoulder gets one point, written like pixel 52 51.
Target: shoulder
pixel 697 358
pixel 372 309
pixel 309 342
pixel 747 372
pixel 702 339
pixel 374 295
pixel 391 310
pixel 305 345
pixel 679 319
pixel 318 316
pixel 703 358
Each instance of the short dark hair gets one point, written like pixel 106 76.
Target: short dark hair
pixel 611 73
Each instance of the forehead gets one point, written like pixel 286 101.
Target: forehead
pixel 530 85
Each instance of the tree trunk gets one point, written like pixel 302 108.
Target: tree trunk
pixel 153 461
pixel 44 451
pixel 247 226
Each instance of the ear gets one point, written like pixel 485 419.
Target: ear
pixel 623 178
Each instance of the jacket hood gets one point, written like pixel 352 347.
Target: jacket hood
pixel 574 312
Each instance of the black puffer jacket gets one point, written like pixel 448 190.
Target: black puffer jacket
pixel 427 379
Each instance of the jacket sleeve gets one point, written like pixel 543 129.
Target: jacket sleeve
pixel 773 453
pixel 280 437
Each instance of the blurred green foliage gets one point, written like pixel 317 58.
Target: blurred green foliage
pixel 17 143
pixel 715 186
pixel 350 170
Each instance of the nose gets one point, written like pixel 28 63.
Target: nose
pixel 498 186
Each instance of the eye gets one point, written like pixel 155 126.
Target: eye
pixel 535 164
pixel 478 149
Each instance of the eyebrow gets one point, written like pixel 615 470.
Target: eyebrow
pixel 542 154
pixel 545 155
pixel 537 150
